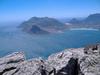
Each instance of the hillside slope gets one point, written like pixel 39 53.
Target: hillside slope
pixel 92 21
pixel 42 24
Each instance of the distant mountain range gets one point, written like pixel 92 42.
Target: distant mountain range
pixel 92 21
pixel 42 25
pixel 45 25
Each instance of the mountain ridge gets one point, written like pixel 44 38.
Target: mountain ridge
pixel 43 23
pixel 92 21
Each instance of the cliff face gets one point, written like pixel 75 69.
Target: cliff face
pixel 80 61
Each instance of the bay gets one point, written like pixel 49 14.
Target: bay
pixel 13 39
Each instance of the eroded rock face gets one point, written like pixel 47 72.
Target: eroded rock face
pixel 11 62
pixel 80 61
pixel 71 68
pixel 90 63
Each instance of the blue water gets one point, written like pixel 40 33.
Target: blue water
pixel 12 40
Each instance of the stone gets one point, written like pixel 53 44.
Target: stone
pixel 67 62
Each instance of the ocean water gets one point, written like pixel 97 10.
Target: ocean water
pixel 13 39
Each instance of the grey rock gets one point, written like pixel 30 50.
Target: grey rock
pixel 67 62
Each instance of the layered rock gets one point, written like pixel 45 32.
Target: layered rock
pixel 10 63
pixel 80 61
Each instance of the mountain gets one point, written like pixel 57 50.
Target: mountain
pixel 79 61
pixel 74 21
pixel 35 29
pixel 42 25
pixel 92 21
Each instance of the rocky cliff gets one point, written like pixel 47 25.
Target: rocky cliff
pixel 80 61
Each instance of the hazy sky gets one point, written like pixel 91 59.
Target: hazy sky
pixel 11 10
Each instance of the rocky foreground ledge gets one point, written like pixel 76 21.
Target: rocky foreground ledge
pixel 80 61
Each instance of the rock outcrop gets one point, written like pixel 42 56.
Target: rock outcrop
pixel 80 61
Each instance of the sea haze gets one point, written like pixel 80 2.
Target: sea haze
pixel 13 39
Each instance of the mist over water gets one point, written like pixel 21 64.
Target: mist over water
pixel 13 39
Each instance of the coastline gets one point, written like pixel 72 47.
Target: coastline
pixel 91 29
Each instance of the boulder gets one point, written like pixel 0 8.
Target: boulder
pixel 67 62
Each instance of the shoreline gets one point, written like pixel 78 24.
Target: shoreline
pixel 89 29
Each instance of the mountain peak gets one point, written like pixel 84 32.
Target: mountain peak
pixel 43 24
pixel 92 21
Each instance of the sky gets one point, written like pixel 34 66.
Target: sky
pixel 13 10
